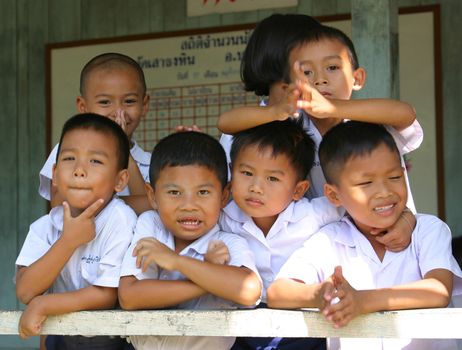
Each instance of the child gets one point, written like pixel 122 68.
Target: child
pixel 112 85
pixel 174 258
pixel 264 65
pixel 365 176
pixel 326 58
pixel 269 165
pixel 71 258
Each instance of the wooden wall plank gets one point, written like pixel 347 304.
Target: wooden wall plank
pixel 156 16
pixel 132 17
pixel 64 20
pixel 175 15
pixel 99 19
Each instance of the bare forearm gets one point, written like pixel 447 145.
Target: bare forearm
pixel 237 284
pixel 38 277
pixel 89 298
pixel 242 118
pixel 155 294
pixel 289 294
pixel 426 293
pixel 379 111
pixel 136 181
pixel 139 203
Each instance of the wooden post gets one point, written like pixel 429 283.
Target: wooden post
pixel 375 35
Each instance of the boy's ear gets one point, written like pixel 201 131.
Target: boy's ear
pixel 300 189
pixel 225 195
pixel 53 176
pixel 331 193
pixel 81 105
pixel 151 195
pixel 146 99
pixel 360 78
pixel 122 180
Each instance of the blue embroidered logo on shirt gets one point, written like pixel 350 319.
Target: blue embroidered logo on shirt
pixel 91 259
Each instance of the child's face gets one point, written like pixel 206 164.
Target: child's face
pixel 263 185
pixel 372 189
pixel 326 65
pixel 87 171
pixel 112 92
pixel 189 199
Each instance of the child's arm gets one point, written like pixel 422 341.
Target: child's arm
pixel 39 276
pixel 242 118
pixel 137 294
pixel 139 203
pixel 237 284
pixel 395 113
pixel 397 237
pixel 42 306
pixel 434 290
pixel 286 293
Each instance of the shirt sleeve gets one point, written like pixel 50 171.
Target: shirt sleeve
pixel 434 245
pixel 408 139
pixel 308 263
pixel 226 141
pixel 122 223
pixel 324 212
pixel 46 174
pixel 37 242
pixel 146 226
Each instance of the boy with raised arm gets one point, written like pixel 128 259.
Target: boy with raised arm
pixel 71 258
pixel 342 269
pixel 112 85
pixel 176 258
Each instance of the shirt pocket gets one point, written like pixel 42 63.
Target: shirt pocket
pixel 89 269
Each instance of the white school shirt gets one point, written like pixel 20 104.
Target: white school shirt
pixel 141 158
pixel 150 225
pixel 291 229
pixel 95 263
pixel 407 140
pixel 342 244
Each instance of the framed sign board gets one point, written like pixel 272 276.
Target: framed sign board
pixel 193 76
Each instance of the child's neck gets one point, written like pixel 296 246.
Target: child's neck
pixel 324 125
pixel 265 224
pixel 378 247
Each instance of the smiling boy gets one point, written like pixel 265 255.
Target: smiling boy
pixel 177 257
pixel 71 258
pixel 344 262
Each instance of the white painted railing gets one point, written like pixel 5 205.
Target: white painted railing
pixel 422 323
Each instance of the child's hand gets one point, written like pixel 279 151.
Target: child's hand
pixel 217 253
pixel 398 236
pixel 182 128
pixel 286 107
pixel 150 250
pixel 81 229
pixel 311 100
pixel 31 320
pixel 349 304
pixel 120 118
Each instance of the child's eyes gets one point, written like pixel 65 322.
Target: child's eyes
pixel 104 102
pixel 173 192
pixel 333 67
pixel 68 158
pixel 307 72
pixel 365 183
pixel 272 179
pixel 96 161
pixel 204 192
pixel 130 101
pixel 246 173
pixel 397 177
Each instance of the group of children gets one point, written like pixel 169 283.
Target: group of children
pixel 265 237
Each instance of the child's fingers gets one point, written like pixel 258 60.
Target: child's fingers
pixel 66 210
pixel 91 211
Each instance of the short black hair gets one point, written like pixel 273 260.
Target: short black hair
pixel 104 125
pixel 349 140
pixel 285 137
pixel 189 148
pixel 266 56
pixel 323 32
pixel 111 60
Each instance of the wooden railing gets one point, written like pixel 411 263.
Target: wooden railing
pixel 422 323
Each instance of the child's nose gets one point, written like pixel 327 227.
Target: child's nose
pixel 79 172
pixel 188 203
pixel 256 186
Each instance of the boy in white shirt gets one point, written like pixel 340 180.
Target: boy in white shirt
pixel 174 259
pixel 112 85
pixel 71 258
pixel 342 269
